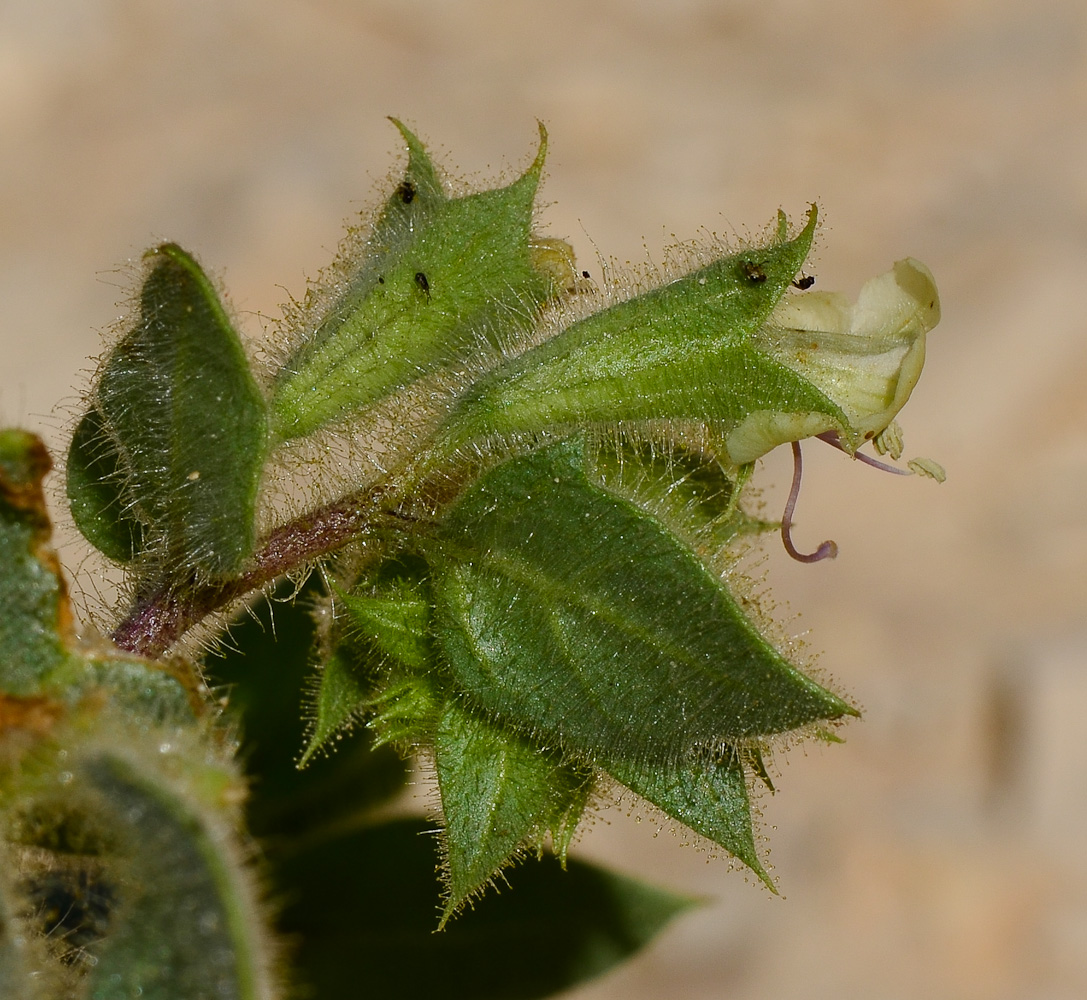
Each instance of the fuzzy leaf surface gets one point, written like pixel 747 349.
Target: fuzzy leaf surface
pixel 96 492
pixel 343 692
pixel 410 208
pixel 680 351
pixel 689 491
pixel 366 902
pixel 186 419
pixel 451 275
pixel 388 623
pixel 186 925
pixel 397 621
pixel 500 794
pixel 33 603
pixel 572 614
pixel 706 792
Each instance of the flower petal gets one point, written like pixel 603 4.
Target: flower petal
pixel 866 356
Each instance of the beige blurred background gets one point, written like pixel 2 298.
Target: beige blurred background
pixel 940 852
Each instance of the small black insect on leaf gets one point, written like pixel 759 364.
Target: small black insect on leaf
pixel 805 282
pixel 424 285
pixel 406 192
pixel 753 272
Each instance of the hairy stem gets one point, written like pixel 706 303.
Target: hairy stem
pixel 163 614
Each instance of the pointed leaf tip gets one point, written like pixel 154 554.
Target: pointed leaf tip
pixel 440 279
pixel 500 794
pixel 556 610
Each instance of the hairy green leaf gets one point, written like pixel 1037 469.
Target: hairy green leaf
pixel 343 692
pixel 33 603
pixel 688 490
pixel 442 276
pixel 568 612
pixel 500 794
pixel 388 623
pixel 707 792
pixel 187 422
pixel 366 902
pixel 96 492
pixel 186 923
pixel 679 351
pixel 397 621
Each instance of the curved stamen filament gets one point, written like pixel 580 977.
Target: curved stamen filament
pixel 828 549
pixel 831 438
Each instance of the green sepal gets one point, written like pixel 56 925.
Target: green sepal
pixel 442 279
pixel 707 792
pixel 187 423
pixel 35 613
pixel 396 621
pixel 360 269
pixel 567 612
pixel 366 901
pixel 501 794
pixel 680 351
pixel 410 208
pixel 96 492
pixel 344 693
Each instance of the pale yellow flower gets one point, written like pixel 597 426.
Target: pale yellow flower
pixel 865 357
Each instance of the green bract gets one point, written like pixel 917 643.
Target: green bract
pixel 727 346
pixel 682 351
pixel 534 586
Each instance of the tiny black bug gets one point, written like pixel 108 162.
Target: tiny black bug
pixel 424 285
pixel 804 283
pixel 754 272
pixel 406 192
pixel 585 274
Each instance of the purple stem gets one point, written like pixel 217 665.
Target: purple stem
pixel 161 616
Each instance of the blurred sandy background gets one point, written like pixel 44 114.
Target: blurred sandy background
pixel 940 853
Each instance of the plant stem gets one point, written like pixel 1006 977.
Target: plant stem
pixel 163 614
